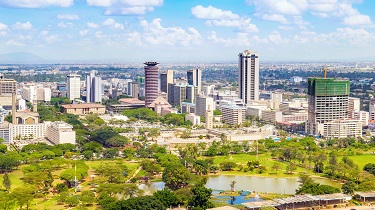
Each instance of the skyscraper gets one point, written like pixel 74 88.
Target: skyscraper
pixel 248 76
pixel 73 84
pixel 93 88
pixel 328 100
pixel 194 77
pixel 151 82
pixel 165 79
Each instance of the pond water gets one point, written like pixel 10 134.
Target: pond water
pixel 246 183
pixel 233 200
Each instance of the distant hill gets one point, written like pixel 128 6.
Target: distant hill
pixel 21 58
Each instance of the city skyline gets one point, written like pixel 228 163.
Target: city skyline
pixel 188 31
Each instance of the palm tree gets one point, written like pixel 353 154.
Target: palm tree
pixel 232 184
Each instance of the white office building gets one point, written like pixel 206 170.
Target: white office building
pixel 60 133
pixel 93 88
pixel 233 115
pixel 248 76
pixel 73 86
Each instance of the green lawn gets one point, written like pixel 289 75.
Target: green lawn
pixel 362 160
pixel 265 160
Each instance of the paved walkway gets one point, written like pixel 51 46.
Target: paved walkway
pixel 135 174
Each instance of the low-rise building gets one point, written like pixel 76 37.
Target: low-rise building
pixel 27 131
pixel 272 116
pixel 84 109
pixel 194 119
pixel 234 115
pixel 341 128
pixel 363 116
pixel 60 133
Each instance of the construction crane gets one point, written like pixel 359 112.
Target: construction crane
pixel 325 71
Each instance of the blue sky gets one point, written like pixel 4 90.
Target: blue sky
pixel 189 30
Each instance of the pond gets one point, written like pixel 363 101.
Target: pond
pixel 247 183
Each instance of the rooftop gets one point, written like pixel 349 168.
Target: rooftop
pixel 82 106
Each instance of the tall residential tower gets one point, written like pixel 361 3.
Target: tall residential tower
pixel 73 84
pixel 93 88
pixel 248 76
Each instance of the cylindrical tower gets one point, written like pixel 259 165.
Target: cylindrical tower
pixel 151 82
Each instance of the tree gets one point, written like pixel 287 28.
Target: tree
pixel 73 200
pixel 141 203
pixel 129 153
pixel 349 188
pixel 3 148
pixel 24 195
pixel 201 197
pixel 7 201
pixel 291 167
pixel 113 172
pixel 217 112
pixel 150 167
pixel 232 185
pixel 167 197
pixel 87 197
pixel 88 154
pixel 227 165
pixel 276 167
pixel 8 162
pixel 110 153
pixel 61 187
pixel 6 182
pixel 176 176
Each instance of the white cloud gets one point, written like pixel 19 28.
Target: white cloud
pixel 23 26
pixel 219 17
pixel 64 25
pixel 270 9
pixel 52 39
pixel 126 7
pixel 14 43
pixel 84 32
pixel 358 20
pixel 68 17
pixel 153 33
pixel 213 13
pixel 112 23
pixel 44 33
pixel 92 25
pixel 36 3
pixel 3 33
pixel 275 17
pixel 3 27
pixel 140 10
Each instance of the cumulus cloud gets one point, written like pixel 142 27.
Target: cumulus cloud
pixel 23 26
pixel 14 43
pixel 68 17
pixel 84 32
pixel 3 27
pixel 153 33
pixel 219 17
pixel 212 13
pixel 36 3
pixel 270 9
pixel 140 10
pixel 112 23
pixel 275 17
pixel 126 7
pixel 92 25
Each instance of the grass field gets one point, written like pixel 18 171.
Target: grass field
pixel 362 160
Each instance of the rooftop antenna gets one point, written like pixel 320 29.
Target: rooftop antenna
pixel 325 71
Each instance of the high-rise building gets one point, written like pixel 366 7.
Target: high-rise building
pixel 73 84
pixel 93 88
pixel 134 89
pixel 328 100
pixel 354 106
pixel 202 105
pixel 233 114
pixel 179 94
pixel 151 82
pixel 248 76
pixel 372 109
pixel 165 79
pixel 8 87
pixel 194 77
